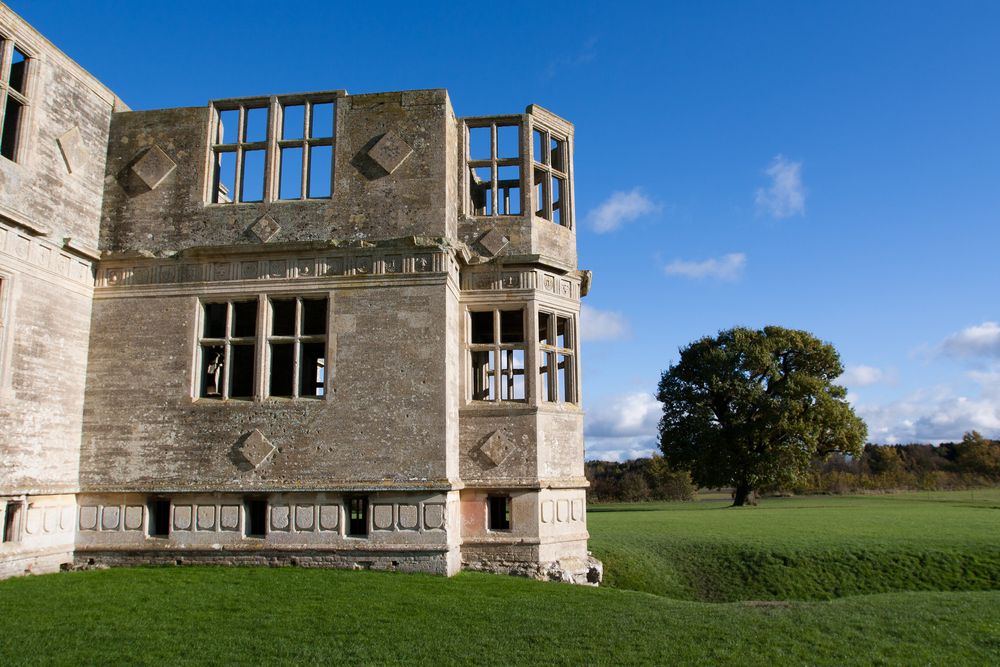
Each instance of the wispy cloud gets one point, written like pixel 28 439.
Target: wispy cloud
pixel 934 415
pixel 620 208
pixel 980 340
pixel 587 53
pixel 602 324
pixel 728 267
pixel 623 427
pixel 785 196
pixel 861 376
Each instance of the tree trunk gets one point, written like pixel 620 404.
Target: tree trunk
pixel 743 495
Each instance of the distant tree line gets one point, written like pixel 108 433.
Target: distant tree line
pixel 975 461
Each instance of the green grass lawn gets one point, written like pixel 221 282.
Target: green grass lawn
pixel 812 548
pixel 175 616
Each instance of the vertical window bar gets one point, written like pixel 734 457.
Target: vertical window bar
pixel 227 355
pixel 304 176
pixel 237 194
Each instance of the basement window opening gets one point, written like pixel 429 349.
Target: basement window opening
pixel 159 517
pixel 256 518
pixel 357 514
pixel 499 512
pixel 12 521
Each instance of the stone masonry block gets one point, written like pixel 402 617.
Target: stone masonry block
pixel 390 151
pixel 153 167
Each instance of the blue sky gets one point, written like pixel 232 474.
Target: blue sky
pixel 830 166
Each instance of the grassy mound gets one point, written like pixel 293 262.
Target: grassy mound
pixel 814 548
pixel 221 616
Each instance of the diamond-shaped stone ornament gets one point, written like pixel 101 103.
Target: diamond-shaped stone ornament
pixel 493 241
pixel 497 448
pixel 153 167
pixel 265 228
pixel 255 448
pixel 390 151
pixel 73 151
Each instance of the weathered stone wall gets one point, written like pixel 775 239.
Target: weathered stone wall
pixel 367 204
pixel 57 181
pixel 383 423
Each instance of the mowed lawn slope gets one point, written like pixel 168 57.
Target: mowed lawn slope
pixel 189 615
pixel 813 548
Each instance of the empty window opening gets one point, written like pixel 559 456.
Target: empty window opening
pixel 357 514
pixel 228 349
pixel 556 354
pixel 494 162
pixel 255 524
pixel 549 176
pixel 497 355
pixel 295 161
pixel 13 99
pixel 297 343
pixel 12 522
pixel 499 512
pixel 159 517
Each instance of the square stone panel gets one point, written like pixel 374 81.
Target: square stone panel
pixel 497 448
pixel 390 151
pixel 265 228
pixel 493 242
pixel 304 517
pixel 88 517
pixel 329 517
pixel 255 448
pixel 73 151
pixel 153 167
pixel 229 517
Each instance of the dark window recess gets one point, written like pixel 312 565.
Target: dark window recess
pixel 357 512
pixel 313 317
pixel 283 317
pixel 256 518
pixel 11 124
pixel 244 319
pixel 282 369
pixel 159 518
pixel 482 327
pixel 12 522
pixel 241 369
pixel 215 320
pixel 312 365
pixel 499 512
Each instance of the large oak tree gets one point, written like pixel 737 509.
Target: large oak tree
pixel 753 408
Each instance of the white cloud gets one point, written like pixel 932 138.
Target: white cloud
pixel 623 427
pixel 785 196
pixel 602 324
pixel 861 376
pixel 937 414
pixel 980 340
pixel 619 208
pixel 727 267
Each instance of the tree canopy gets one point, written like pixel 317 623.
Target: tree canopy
pixel 753 408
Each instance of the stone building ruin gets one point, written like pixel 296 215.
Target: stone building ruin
pixel 317 329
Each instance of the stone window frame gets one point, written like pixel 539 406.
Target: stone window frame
pixel 261 340
pixel 495 162
pixel 548 355
pixel 20 97
pixel 496 350
pixel 12 531
pixel 6 325
pixel 272 145
pixel 545 173
pixel 508 513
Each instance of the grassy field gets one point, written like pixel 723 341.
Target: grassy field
pixel 813 548
pixel 681 552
